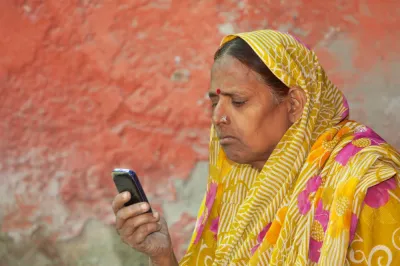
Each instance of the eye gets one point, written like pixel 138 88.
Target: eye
pixel 213 104
pixel 238 103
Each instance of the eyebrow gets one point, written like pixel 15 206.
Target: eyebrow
pixel 212 94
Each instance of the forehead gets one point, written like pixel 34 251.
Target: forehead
pixel 229 72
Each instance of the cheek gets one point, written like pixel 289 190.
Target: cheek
pixel 275 128
pixel 261 133
pixel 253 132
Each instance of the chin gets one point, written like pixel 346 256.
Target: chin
pixel 235 156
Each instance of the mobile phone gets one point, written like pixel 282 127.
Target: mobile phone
pixel 127 180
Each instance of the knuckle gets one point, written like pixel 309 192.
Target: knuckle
pixel 148 229
pixel 151 227
pixel 142 230
pixel 136 208
pixel 128 230
pixel 134 223
pixel 120 214
pixel 141 234
pixel 130 226
pixel 123 213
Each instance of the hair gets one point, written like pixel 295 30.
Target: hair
pixel 239 49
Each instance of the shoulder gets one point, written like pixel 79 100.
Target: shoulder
pixel 357 139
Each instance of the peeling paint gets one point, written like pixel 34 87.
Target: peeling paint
pixel 88 86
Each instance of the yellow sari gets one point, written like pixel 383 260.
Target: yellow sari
pixel 328 195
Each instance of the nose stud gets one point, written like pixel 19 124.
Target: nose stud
pixel 224 119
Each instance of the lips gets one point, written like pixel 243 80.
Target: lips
pixel 226 139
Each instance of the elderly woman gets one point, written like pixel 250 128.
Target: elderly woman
pixel 292 181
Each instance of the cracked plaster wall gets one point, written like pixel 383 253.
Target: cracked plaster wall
pixel 90 85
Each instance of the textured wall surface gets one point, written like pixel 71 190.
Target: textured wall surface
pixel 86 86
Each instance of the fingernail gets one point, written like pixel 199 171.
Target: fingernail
pixel 144 206
pixel 125 195
pixel 155 215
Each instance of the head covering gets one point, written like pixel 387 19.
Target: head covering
pixel 311 188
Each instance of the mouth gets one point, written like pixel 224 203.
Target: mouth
pixel 225 140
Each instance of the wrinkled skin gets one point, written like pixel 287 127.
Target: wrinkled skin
pixel 256 119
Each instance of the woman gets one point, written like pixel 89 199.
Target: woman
pixel 292 181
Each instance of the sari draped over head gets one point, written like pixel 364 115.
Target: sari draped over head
pixel 311 202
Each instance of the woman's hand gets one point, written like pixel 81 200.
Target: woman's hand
pixel 145 232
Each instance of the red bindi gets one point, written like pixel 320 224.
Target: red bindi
pixel 218 91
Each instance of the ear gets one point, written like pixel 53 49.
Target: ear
pixel 297 101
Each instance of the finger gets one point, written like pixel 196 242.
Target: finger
pixel 129 212
pixel 143 231
pixel 120 200
pixel 132 224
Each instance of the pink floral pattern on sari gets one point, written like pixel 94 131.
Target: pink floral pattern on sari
pixel 378 195
pixel 260 238
pixel 210 197
pixel 353 226
pixel 321 219
pixel 304 203
pixel 214 227
pixel 320 225
pixel 363 137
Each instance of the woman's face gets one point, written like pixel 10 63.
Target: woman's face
pixel 255 121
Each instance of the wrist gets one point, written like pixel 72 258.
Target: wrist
pixel 165 260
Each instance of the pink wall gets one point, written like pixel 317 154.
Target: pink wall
pixel 89 85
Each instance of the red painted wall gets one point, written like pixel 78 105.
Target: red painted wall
pixel 90 85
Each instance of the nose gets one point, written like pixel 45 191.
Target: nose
pixel 218 113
